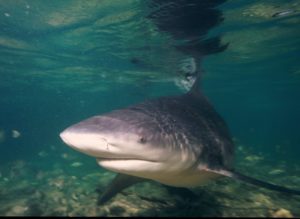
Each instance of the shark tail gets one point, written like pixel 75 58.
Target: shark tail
pixel 256 182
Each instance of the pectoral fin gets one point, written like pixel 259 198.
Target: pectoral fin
pixel 120 182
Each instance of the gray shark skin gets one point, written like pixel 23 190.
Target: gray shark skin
pixel 178 141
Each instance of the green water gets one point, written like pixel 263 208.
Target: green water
pixel 64 61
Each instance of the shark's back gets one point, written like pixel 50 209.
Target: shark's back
pixel 189 121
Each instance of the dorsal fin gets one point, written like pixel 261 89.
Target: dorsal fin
pixel 195 89
pixel 192 71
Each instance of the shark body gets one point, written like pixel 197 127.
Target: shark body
pixel 179 141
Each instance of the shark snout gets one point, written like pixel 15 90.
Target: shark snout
pixel 71 138
pixel 65 136
pixel 89 143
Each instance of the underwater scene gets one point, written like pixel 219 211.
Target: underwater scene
pixel 197 106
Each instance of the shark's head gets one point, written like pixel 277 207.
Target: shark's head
pixel 128 141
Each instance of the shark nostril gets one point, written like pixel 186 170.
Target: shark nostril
pixel 107 144
pixel 142 140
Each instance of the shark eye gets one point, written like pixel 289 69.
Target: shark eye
pixel 142 140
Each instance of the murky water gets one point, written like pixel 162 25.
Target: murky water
pixel 64 61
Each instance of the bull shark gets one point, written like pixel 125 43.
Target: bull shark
pixel 179 141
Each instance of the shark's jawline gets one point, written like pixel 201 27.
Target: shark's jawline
pixel 120 158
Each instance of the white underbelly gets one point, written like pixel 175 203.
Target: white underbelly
pixel 186 179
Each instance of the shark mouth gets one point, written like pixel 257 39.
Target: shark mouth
pixel 123 159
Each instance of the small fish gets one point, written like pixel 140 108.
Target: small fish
pixel 76 164
pixel 284 13
pixel 43 154
pixel 2 136
pixel 15 133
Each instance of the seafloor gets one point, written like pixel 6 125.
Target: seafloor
pixel 68 184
